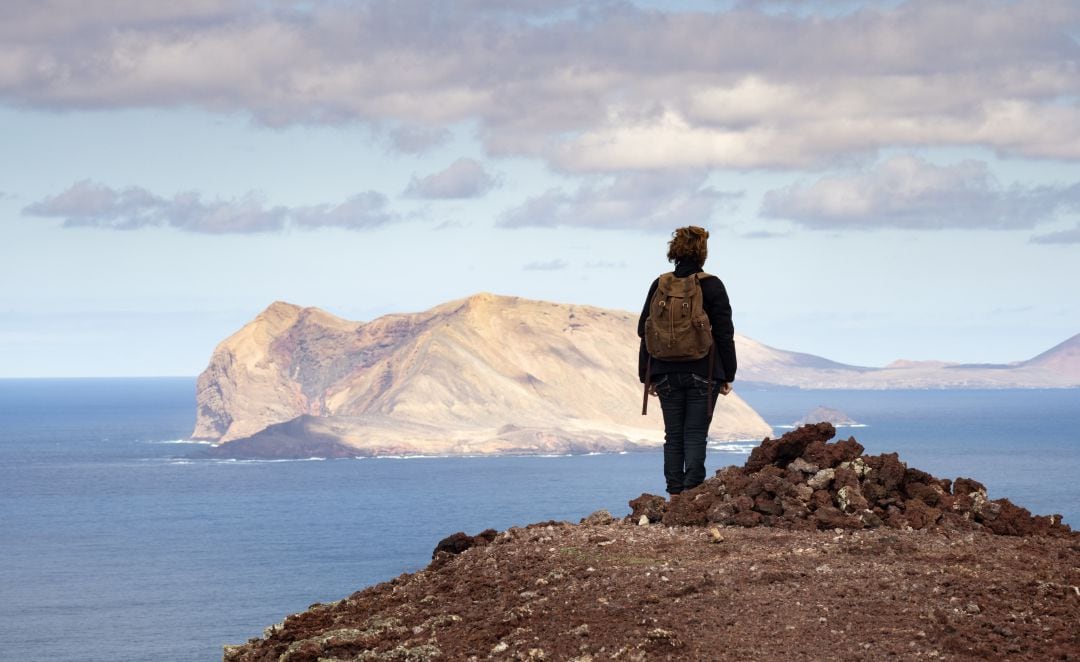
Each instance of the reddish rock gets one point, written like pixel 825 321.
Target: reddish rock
pixel 755 487
pixel 691 508
pixel 921 516
pixel 850 491
pixel 871 519
pixel 733 479
pixel 649 505
pixel 831 518
pixel 722 512
pixel 917 476
pixel 767 505
pixel 793 509
pixel 781 452
pixel 965 486
pixel 748 518
pixel 1012 520
pixel 457 543
pixel 930 495
pixel 843 477
pixel 821 499
pixel 889 472
pixel 831 455
pixel 744 503
pixel 894 518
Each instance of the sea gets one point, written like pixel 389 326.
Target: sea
pixel 115 544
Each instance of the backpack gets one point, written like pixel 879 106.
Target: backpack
pixel 677 328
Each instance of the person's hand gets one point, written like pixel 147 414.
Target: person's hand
pixel 725 388
pixel 652 389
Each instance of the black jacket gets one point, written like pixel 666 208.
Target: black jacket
pixel 718 308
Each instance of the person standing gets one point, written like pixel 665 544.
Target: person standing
pixel 686 354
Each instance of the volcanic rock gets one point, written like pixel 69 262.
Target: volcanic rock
pixel 649 506
pixel 850 491
pixel 882 562
pixel 683 593
pixel 457 543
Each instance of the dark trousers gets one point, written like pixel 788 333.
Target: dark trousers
pixel 684 399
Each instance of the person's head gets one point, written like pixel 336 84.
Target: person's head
pixel 689 245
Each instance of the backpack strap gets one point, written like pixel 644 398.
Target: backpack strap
pixel 712 357
pixel 701 275
pixel 648 382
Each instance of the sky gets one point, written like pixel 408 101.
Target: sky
pixel 881 180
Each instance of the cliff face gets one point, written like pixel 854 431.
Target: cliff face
pixel 485 374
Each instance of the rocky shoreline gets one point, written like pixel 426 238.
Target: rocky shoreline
pixel 811 550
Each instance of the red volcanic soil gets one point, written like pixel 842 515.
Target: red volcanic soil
pixel 810 551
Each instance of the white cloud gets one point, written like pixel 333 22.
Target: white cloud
pixel 417 139
pixel 464 178
pixel 89 204
pixel 644 201
pixel 1070 236
pixel 588 87
pixel 909 192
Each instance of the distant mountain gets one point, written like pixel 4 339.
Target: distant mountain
pixel 482 375
pixel 822 414
pixel 1063 359
pixel 1058 367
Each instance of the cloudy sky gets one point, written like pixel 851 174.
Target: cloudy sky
pixel 881 180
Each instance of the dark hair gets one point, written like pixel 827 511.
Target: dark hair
pixel 689 244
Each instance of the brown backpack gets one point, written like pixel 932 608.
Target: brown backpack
pixel 677 328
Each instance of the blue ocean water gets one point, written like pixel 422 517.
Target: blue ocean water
pixel 113 546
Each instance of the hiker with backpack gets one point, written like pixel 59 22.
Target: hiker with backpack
pixel 687 354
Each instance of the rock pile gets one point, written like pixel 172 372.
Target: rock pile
pixel 801 481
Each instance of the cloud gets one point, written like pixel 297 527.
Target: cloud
pixel 89 204
pixel 417 139
pixel 1071 236
pixel 551 265
pixel 464 178
pixel 762 234
pixel 644 201
pixel 570 83
pixel 911 193
pixel 448 225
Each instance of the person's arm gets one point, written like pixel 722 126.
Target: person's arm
pixel 718 308
pixel 643 355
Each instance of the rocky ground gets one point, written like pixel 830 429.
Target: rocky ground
pixel 809 551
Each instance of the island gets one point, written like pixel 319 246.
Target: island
pixel 823 414
pixel 478 376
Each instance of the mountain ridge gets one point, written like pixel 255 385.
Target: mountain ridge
pixel 1058 367
pixel 454 377
pixel 480 375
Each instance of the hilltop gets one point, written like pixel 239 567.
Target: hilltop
pixel 809 551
